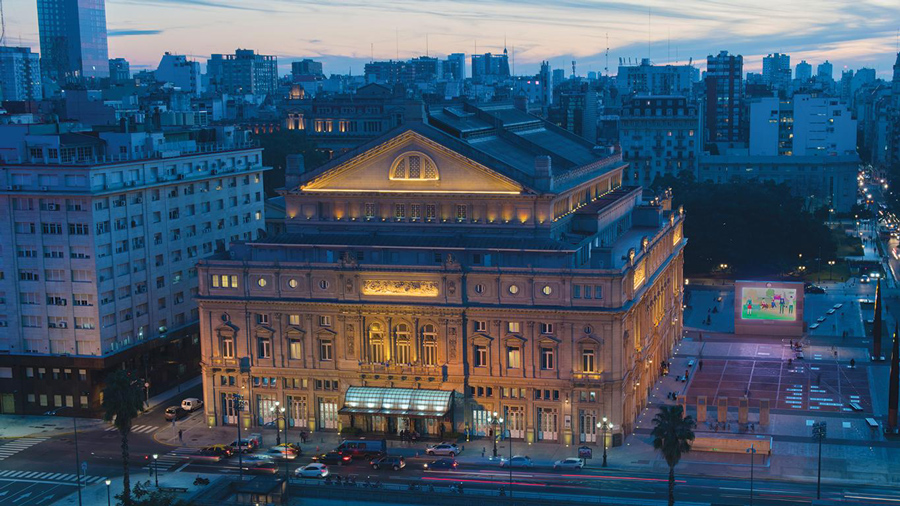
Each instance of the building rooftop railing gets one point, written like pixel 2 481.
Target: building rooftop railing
pixel 159 154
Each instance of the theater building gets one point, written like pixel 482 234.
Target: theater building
pixel 479 261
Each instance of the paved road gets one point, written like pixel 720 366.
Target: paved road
pixel 38 471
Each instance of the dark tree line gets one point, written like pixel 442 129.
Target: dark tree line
pixel 277 146
pixel 757 228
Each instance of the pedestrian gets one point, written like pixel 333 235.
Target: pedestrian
pixel 442 431
pixel 700 364
pixel 482 452
pixel 180 436
pixel 792 343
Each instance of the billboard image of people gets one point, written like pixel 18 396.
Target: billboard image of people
pixel 768 303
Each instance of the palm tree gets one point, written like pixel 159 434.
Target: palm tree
pixel 673 434
pixel 123 400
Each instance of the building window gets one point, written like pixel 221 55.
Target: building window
pixel 323 284
pixel 513 357
pixel 480 357
pixel 401 334
pixel 479 288
pixel 228 346
pixel 480 326
pixel 429 345
pixel 325 350
pixel 262 319
pixel 376 343
pixel 546 328
pixel 324 321
pixel 370 210
pixel 513 327
pixel 461 212
pixel 415 211
pixel 546 290
pixel 513 289
pixel 587 361
pixel 261 282
pixel 294 319
pixel 547 362
pixel 400 211
pixel 598 292
pixel 265 347
pixel 430 211
pixel 296 348
pixel 223 281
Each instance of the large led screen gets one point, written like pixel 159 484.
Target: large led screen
pixel 766 303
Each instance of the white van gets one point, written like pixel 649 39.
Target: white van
pixel 191 404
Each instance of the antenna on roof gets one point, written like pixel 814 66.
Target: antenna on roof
pixel 606 68
pixel 426 45
pixel 397 32
pixel 514 59
pixel 372 49
pixel 649 18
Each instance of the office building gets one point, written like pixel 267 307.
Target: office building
pixel 576 111
pixel 777 72
pixel 455 67
pixel 243 73
pixel 801 126
pixel 20 74
pixel 73 39
pixel 659 136
pixel 182 73
pixel 307 67
pixel 724 97
pixel 101 240
pixel 489 67
pixel 119 70
pixel 649 79
pixel 482 261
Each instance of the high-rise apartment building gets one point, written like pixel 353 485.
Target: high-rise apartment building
pixel 73 39
pixel 307 67
pixel 801 126
pixel 825 70
pixel 244 72
pixel 119 70
pixel 20 74
pixel 455 67
pixel 480 262
pixel 777 72
pixel 803 71
pixel 724 97
pixel 659 136
pixel 101 237
pixel 180 72
pixel 648 79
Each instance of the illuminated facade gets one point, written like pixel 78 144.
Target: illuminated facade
pixel 480 261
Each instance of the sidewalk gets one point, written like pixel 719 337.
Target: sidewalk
pixel 163 397
pixel 16 426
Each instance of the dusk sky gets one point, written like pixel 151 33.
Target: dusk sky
pixel 341 33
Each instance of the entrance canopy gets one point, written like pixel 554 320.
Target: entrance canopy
pixel 396 401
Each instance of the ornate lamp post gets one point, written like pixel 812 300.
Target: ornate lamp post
pixel 495 422
pixel 831 270
pixel 819 430
pixel 156 469
pixel 752 452
pixel 108 497
pixel 604 426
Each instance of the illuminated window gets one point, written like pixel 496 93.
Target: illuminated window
pixel 513 357
pixel 414 166
pixel 587 361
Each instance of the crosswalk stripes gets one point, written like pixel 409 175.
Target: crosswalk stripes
pixel 137 429
pixel 48 477
pixel 176 456
pixel 15 446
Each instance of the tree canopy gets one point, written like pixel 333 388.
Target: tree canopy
pixel 757 228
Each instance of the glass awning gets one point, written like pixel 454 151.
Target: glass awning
pixel 396 401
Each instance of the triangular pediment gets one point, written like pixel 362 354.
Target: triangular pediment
pixel 412 163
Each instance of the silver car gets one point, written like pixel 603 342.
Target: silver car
pixel 518 461
pixel 448 449
pixel 569 463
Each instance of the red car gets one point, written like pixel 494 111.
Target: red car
pixel 262 468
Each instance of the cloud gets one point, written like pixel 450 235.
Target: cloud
pixel 130 33
pixel 213 4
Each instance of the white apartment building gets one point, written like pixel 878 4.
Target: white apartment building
pixel 801 126
pixel 101 236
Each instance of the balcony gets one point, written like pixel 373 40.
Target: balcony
pixel 589 379
pixel 398 369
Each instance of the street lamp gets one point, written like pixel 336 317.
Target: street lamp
pixel 278 411
pixel 604 426
pixel 77 460
pixel 831 270
pixel 156 469
pixel 819 430
pixel 752 452
pixel 108 497
pixel 495 421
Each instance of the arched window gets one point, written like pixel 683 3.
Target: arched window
pixel 401 333
pixel 376 343
pixel 429 345
pixel 414 166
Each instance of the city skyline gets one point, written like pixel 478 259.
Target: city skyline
pixel 854 36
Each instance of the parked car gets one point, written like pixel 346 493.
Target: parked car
pixel 244 445
pixel 388 462
pixel 449 449
pixel 314 470
pixel 333 458
pixel 442 464
pixel 175 413
pixel 569 463
pixel 191 404
pixel 280 454
pixel 261 467
pixel 365 448
pixel 221 450
pixel 517 461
